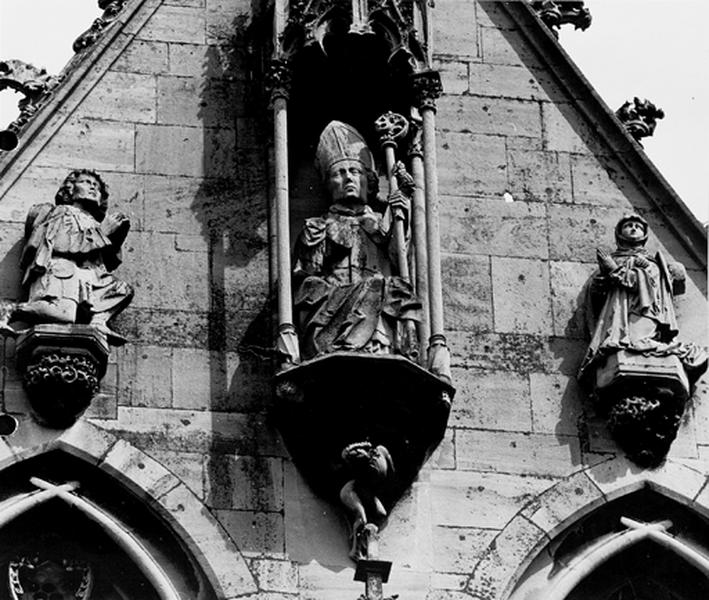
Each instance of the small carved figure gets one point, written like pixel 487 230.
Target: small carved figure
pixel 349 296
pixel 639 117
pixel 70 250
pixel 631 296
pixel 371 467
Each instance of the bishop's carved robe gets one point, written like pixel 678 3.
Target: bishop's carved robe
pixel 347 296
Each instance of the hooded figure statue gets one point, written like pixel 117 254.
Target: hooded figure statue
pixel 630 301
pixel 348 296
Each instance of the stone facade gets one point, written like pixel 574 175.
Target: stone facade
pixel 167 110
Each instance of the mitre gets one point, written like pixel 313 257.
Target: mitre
pixel 338 142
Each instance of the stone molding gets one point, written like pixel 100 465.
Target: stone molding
pixel 539 522
pixel 205 539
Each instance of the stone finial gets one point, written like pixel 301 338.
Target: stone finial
pixel 34 84
pixel 555 13
pixel 639 117
pixel 110 9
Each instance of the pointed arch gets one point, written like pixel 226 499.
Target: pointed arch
pixel 538 523
pixel 206 541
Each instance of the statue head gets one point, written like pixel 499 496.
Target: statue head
pixel 86 187
pixel 631 231
pixel 346 165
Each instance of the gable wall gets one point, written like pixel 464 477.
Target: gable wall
pixel 175 127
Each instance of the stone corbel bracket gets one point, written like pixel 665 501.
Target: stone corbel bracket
pixel 34 84
pixel 555 13
pixel 111 9
pixel 639 117
pixel 62 366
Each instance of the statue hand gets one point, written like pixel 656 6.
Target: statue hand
pixel 642 262
pixel 605 261
pixel 404 179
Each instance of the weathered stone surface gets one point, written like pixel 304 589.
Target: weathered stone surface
pixel 594 181
pixel 130 96
pixel 443 456
pixel 492 116
pixel 491 400
pixel 504 80
pixel 454 76
pixel 211 541
pixel 193 151
pixel 450 582
pixel 173 204
pixel 521 296
pixel 564 503
pixel 244 482
pixel 145 376
pixel 458 549
pixel 512 547
pixel 540 176
pixel 195 431
pixel 523 453
pixel 620 476
pixel 175 24
pixel 187 466
pixel 566 131
pixel 36 185
pixel 102 145
pixel 493 226
pixel 276 575
pixel 458 175
pixel 505 47
pixel 143 474
pixel 481 500
pixel 567 297
pixel 467 294
pixel 494 351
pixel 555 403
pixel 191 377
pixel 451 38
pixel 197 101
pixel 159 288
pixel 255 533
pixel 576 231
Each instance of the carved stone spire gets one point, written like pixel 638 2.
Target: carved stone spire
pixel 556 13
pixel 639 117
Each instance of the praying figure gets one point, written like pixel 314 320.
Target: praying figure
pixel 348 294
pixel 631 303
pixel 71 248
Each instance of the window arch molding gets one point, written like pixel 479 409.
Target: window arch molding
pixel 539 523
pixel 206 541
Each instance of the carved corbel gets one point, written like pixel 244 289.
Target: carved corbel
pixel 639 118
pixel 555 13
pixel 34 84
pixel 111 9
pixel 426 88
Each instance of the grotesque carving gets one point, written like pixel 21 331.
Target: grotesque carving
pixel 555 13
pixel 110 9
pixel 370 467
pixel 348 293
pixel 639 117
pixel 34 84
pixel 639 370
pixel 71 249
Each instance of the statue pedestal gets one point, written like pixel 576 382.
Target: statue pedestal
pixel 62 366
pixel 643 398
